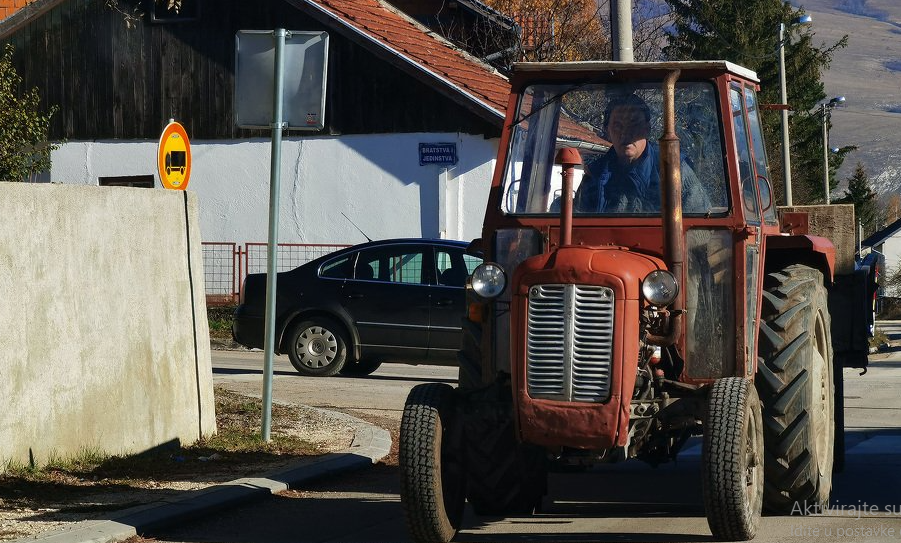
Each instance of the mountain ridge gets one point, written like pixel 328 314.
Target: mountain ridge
pixel 868 74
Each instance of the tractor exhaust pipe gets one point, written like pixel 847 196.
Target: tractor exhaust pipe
pixel 569 158
pixel 671 204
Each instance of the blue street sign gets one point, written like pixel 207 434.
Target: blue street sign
pixel 443 154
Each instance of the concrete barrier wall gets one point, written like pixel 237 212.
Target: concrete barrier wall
pixel 104 340
pixel 836 223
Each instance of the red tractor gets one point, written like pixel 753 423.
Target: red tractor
pixel 617 319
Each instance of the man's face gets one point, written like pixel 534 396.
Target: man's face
pixel 628 132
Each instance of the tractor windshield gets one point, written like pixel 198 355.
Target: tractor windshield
pixel 615 127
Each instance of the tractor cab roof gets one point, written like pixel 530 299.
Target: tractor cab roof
pixel 631 70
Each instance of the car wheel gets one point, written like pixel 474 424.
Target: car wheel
pixel 317 348
pixel 360 368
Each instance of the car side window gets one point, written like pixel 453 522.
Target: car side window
pixel 452 267
pixel 340 268
pixel 392 265
pixel 472 262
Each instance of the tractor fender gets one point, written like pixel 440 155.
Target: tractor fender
pixel 814 251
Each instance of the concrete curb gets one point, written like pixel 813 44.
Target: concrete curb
pixel 370 445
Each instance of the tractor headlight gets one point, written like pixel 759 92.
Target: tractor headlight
pixel 488 280
pixel 660 288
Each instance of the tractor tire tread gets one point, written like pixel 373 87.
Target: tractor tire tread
pixel 791 301
pixel 421 495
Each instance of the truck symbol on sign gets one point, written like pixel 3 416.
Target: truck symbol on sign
pixel 176 160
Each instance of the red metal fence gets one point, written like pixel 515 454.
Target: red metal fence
pixel 221 272
pixel 226 264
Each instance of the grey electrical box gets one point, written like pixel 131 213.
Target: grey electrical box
pixel 306 61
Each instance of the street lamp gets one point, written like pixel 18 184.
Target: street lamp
pixel 826 107
pixel 786 160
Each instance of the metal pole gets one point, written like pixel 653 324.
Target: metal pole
pixel 621 30
pixel 786 158
pixel 859 236
pixel 272 256
pixel 825 155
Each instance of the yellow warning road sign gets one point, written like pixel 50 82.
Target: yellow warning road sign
pixel 174 157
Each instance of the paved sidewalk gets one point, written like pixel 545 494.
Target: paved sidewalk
pixel 370 444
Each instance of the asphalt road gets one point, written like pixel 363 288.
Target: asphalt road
pixel 625 502
pixel 381 394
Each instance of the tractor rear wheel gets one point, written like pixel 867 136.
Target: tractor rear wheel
pixel 469 357
pixel 732 465
pixel 433 488
pixel 838 451
pixel 504 475
pixel 795 384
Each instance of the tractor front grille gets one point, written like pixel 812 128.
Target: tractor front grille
pixel 569 344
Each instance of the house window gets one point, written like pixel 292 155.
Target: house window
pixel 174 11
pixel 141 181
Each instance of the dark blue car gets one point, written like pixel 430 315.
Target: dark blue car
pixel 397 300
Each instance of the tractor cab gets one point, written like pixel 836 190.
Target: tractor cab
pixel 700 195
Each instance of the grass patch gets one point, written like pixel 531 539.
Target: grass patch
pixel 87 457
pixel 879 339
pixel 220 319
pixel 235 451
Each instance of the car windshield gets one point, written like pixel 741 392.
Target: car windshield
pixel 615 128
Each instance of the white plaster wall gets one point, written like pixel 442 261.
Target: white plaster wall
pixel 375 180
pixel 891 248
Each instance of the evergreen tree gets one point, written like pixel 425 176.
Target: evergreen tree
pixel 24 129
pixel 746 32
pixel 862 196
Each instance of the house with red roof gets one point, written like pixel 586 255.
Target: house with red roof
pixel 119 70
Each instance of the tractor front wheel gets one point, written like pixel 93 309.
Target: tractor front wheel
pixel 433 488
pixel 732 476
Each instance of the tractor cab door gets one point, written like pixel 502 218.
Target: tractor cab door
pixel 757 208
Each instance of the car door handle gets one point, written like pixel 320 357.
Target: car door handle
pixel 355 295
pixel 444 301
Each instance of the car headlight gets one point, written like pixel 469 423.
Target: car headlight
pixel 488 280
pixel 660 288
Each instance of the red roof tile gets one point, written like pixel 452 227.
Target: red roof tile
pixel 385 25
pixel 8 7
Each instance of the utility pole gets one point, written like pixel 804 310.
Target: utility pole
pixel 786 148
pixel 826 153
pixel 621 30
